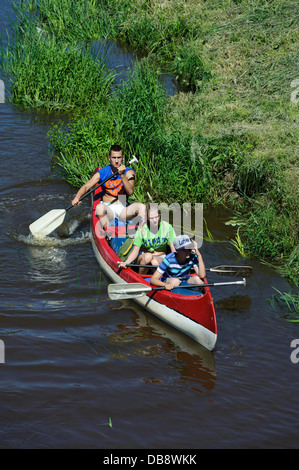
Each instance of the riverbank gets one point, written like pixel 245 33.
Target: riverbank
pixel 231 131
pixel 239 61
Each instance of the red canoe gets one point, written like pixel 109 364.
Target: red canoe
pixel 192 314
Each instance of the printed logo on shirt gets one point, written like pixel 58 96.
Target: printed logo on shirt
pixel 114 187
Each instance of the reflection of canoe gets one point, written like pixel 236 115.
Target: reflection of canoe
pixel 192 314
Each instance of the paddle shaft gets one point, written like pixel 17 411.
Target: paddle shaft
pixel 134 290
pixel 134 159
pixel 93 189
pixel 50 221
pixel 136 287
pixel 243 271
pixel 214 284
pixel 132 265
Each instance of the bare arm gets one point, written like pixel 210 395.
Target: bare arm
pixel 155 281
pixel 132 256
pixel 128 185
pixel 86 187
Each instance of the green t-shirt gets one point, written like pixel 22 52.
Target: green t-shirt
pixel 155 241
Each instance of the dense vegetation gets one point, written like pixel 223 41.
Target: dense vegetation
pixel 228 137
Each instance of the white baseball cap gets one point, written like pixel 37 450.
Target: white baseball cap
pixel 183 241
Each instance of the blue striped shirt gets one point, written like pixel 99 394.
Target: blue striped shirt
pixel 171 268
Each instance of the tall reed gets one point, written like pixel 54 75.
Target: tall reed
pixel 141 106
pixel 231 140
pixel 70 20
pixel 50 73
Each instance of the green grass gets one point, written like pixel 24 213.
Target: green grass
pixel 69 20
pixel 230 136
pixel 82 145
pixel 52 74
pixel 288 300
pixel 140 105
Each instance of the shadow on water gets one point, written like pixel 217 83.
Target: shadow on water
pixel 149 337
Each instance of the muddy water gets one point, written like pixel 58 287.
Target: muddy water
pixel 82 371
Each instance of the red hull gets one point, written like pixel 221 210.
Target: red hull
pixel 197 308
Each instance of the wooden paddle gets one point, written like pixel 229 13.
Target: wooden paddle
pixel 243 271
pixel 134 290
pixel 50 221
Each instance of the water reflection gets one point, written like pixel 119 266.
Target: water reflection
pixel 236 303
pixel 149 337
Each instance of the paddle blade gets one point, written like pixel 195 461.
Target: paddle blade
pixel 47 223
pixel 243 271
pixel 127 291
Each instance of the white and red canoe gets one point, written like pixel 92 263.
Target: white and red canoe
pixel 192 314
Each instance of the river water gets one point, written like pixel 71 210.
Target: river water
pixel 82 371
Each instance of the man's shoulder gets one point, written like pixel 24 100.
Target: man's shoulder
pixel 129 171
pixel 106 170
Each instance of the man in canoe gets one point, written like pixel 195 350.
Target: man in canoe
pixel 176 267
pixel 116 190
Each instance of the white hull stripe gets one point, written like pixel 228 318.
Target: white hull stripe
pixel 174 318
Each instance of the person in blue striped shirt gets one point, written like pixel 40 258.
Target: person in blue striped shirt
pixel 176 267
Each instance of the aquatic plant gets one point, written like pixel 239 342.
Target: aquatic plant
pixel 238 244
pixel 140 106
pixel 231 140
pixel 108 424
pixel 268 233
pixel 189 67
pixel 69 20
pixel 54 75
pixel 209 236
pixel 82 144
pixel 289 300
pixel 289 266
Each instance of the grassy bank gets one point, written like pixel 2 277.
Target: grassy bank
pixel 230 135
pixel 52 73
